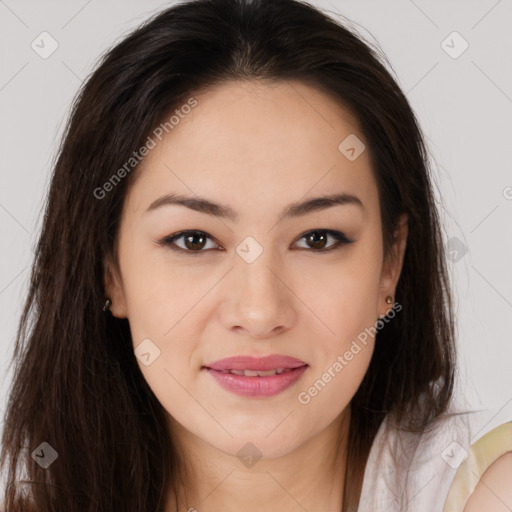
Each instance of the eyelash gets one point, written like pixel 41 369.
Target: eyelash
pixel 338 235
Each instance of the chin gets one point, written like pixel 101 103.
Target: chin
pixel 251 448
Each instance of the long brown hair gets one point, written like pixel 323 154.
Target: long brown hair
pixel 76 384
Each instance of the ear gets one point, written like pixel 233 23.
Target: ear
pixel 113 286
pixel 392 267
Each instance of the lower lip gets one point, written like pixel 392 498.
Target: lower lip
pixel 257 386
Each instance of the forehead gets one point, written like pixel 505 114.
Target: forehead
pixel 265 142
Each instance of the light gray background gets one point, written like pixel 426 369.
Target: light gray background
pixel 464 105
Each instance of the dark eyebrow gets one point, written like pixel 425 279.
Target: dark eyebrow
pixel 203 205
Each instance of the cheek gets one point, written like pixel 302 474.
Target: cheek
pixel 159 307
pixel 343 352
pixel 344 294
pixel 172 342
pixel 345 299
pixel 330 390
pixel 157 293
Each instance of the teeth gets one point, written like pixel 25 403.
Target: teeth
pixel 258 373
pixel 266 373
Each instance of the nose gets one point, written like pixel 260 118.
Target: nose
pixel 259 302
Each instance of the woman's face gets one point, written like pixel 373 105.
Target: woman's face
pixel 270 279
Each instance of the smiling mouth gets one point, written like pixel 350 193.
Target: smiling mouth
pixel 257 383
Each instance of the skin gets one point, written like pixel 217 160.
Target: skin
pixel 256 147
pixel 493 492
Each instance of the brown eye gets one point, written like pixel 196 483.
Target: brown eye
pixel 193 241
pixel 196 242
pixel 317 239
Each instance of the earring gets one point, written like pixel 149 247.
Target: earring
pixel 107 305
pixel 389 300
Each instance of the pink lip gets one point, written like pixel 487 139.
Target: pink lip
pixel 258 386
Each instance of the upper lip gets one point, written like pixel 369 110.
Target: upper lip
pixel 256 363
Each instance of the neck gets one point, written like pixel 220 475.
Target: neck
pixel 311 477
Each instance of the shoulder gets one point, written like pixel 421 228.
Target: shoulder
pixel 493 492
pixel 484 480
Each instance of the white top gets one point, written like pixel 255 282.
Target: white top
pixel 436 471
